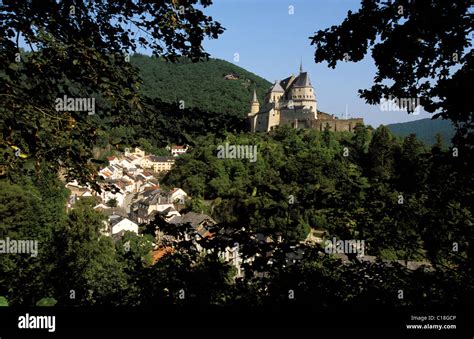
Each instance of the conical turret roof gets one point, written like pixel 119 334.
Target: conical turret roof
pixel 303 80
pixel 254 99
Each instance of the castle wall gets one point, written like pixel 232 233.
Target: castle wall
pixel 337 125
pixel 283 105
pixel 273 118
pixel 292 114
pixel 265 121
pixel 261 122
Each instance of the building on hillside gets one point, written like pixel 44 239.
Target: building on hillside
pixel 232 76
pixel 136 152
pixel 113 160
pixel 178 196
pixel 111 172
pixel 167 214
pixel 200 222
pixel 117 194
pixel 162 163
pixel 177 150
pixel 292 101
pixel 201 225
pixel 316 236
pixel 147 202
pixel 117 224
pixel 158 163
pixel 78 192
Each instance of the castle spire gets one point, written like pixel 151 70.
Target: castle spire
pixel 254 99
pixel 301 65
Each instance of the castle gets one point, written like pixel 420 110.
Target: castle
pixel 292 101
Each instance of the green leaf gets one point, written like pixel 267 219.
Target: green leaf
pixel 46 302
pixel 3 302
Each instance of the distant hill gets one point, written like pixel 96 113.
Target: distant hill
pixel 425 130
pixel 213 86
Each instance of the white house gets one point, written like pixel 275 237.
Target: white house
pixel 177 150
pixel 112 172
pixel 178 195
pixel 127 164
pixel 107 195
pixel 113 160
pixel 147 202
pixel 137 152
pixel 118 224
pixel 232 255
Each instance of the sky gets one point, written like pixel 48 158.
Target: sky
pixel 271 42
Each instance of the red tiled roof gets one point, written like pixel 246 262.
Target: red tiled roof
pixel 160 253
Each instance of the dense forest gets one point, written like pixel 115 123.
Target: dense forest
pixel 425 130
pixel 200 85
pixel 409 201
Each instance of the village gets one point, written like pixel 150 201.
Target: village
pixel 131 197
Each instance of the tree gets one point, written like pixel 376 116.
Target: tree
pixel 360 143
pixel 88 271
pixel 27 214
pixel 438 145
pixel 112 202
pixel 81 50
pixel 327 135
pixel 411 165
pixel 421 49
pixel 380 164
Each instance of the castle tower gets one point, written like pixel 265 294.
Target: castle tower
pixel 302 92
pixel 252 115
pixel 254 105
pixel 275 93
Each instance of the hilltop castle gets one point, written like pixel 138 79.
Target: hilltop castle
pixel 292 101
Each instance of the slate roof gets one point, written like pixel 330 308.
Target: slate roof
pixel 195 220
pixel 115 219
pixel 155 158
pixel 302 80
pixel 254 98
pixel 285 83
pixel 277 87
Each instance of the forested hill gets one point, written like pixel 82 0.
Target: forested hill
pixel 425 130
pixel 200 85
